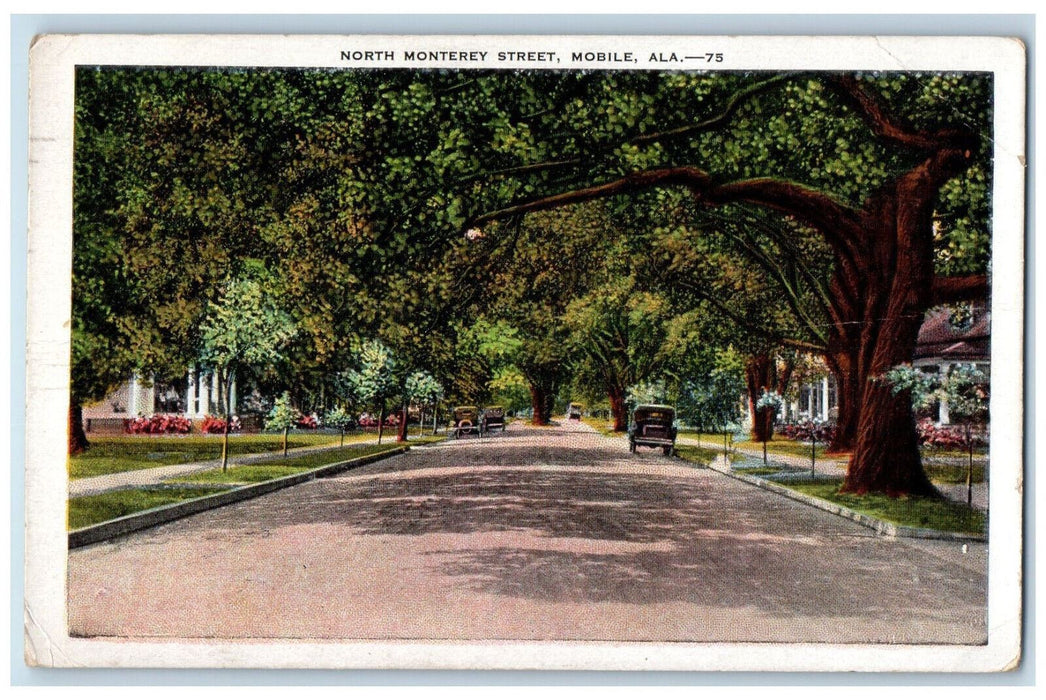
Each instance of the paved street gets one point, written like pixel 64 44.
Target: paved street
pixel 555 533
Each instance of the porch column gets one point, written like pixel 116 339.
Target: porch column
pixel 943 417
pixel 190 394
pixel 232 395
pixel 824 399
pixel 132 400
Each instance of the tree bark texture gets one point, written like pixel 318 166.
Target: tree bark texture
pixel 77 437
pixel 401 433
pixel 618 408
pixel 762 373
pixel 537 404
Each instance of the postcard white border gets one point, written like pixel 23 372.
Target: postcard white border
pixel 53 60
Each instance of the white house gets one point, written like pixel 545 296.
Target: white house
pixel 194 396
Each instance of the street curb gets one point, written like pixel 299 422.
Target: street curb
pixel 880 526
pixel 175 511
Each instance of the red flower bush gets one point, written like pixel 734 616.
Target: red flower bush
pixel 945 437
pixel 808 431
pixel 212 425
pixel 307 422
pixel 158 424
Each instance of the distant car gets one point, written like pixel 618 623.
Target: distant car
pixel 653 426
pixel 574 411
pixel 493 418
pixel 465 421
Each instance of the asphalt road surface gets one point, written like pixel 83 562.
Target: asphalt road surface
pixel 535 534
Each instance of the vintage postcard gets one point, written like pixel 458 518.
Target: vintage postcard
pixel 526 352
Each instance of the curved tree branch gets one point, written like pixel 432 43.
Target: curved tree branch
pixel 870 108
pixel 732 106
pixel 948 290
pixel 835 220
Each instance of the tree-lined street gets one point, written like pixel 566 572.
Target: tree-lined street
pixel 540 533
pixel 601 235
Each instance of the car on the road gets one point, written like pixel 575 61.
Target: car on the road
pixel 465 420
pixel 574 411
pixel 652 425
pixel 493 418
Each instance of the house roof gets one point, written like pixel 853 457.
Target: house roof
pixel 938 338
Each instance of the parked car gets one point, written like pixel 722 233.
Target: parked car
pixel 493 418
pixel 574 411
pixel 464 420
pixel 653 425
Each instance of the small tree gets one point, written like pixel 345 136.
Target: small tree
pixel 374 381
pixel 244 328
pixel 421 386
pixel 282 417
pixel 338 418
pixel 770 402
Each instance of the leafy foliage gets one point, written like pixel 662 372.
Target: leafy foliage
pixel 283 415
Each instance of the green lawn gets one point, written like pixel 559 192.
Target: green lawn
pixel 88 510
pixel 784 446
pixel 280 466
pixel 910 511
pixel 697 455
pixel 711 439
pixel 603 426
pixel 108 455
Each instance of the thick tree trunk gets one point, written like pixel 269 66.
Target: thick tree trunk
pixel 759 377
pixel 618 408
pixel 550 404
pixel 77 437
pixel 542 402
pixel 401 433
pixel 843 366
pixel 537 406
pixel 897 278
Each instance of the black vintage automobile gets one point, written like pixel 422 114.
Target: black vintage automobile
pixel 464 420
pixel 493 418
pixel 574 411
pixel 652 426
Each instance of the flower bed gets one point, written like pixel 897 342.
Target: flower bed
pixel 160 423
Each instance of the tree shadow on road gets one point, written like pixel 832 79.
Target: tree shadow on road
pixel 601 536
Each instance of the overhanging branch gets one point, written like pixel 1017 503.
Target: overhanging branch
pixel 949 290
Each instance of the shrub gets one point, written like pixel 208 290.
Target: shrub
pixel 158 424
pixel 945 437
pixel 809 431
pixel 213 425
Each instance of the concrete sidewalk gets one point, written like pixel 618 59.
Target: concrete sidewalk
pixel 837 467
pixel 157 475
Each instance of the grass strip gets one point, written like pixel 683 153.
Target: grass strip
pixel 908 511
pixel 785 447
pixel 697 455
pixel 952 472
pixel 283 466
pixel 601 426
pixel 89 510
pixel 109 455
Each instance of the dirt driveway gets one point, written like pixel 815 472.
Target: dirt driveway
pixel 535 534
